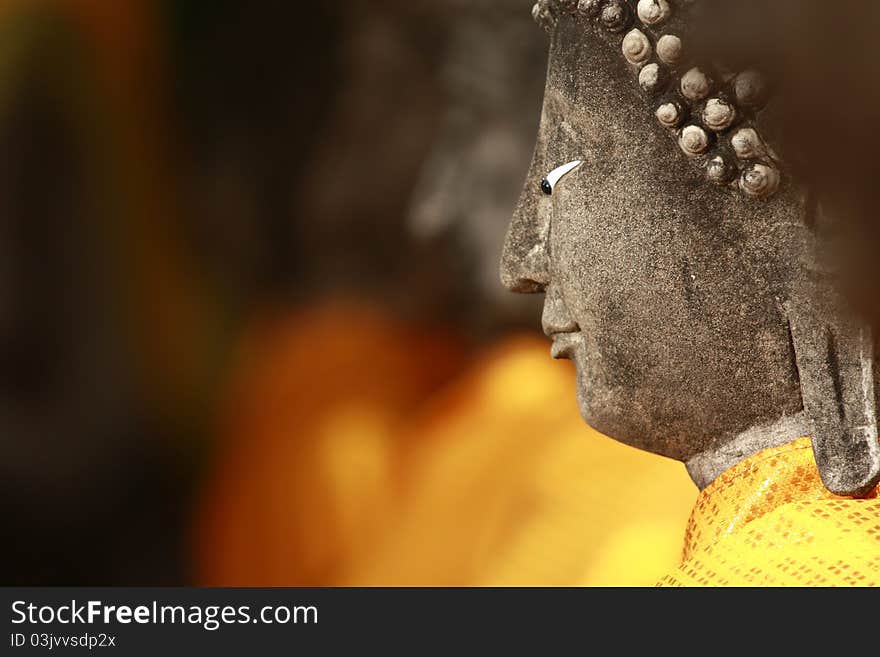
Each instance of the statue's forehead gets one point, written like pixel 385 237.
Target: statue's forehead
pixel 636 52
pixel 636 183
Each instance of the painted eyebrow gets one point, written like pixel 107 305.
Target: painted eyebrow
pixel 552 178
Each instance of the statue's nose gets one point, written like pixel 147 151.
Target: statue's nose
pixel 525 259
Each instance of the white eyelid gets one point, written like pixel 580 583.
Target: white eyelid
pixel 556 175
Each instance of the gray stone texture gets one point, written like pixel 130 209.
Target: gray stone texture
pixel 700 319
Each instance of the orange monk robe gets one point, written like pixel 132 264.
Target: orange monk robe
pixel 769 521
pixel 306 469
pixel 338 470
pixel 510 487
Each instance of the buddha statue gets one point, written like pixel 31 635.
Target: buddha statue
pixel 685 274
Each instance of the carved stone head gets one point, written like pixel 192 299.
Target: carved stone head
pixel 680 259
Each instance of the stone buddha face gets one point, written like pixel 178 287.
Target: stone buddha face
pixel 678 260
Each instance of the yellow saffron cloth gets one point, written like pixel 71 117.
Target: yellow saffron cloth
pixel 509 487
pixel 769 521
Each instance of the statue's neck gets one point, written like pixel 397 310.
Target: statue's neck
pixel 705 467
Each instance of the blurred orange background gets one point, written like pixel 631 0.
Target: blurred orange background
pixel 250 329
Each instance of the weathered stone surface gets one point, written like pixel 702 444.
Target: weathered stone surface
pixel 701 321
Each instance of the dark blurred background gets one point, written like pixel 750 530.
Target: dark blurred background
pixel 244 250
pixel 172 171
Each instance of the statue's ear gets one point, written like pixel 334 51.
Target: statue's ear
pixel 835 362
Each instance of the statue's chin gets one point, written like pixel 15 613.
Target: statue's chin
pixel 602 412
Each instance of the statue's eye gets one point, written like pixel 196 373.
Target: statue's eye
pixel 549 182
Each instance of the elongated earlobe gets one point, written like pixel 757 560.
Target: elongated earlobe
pixel 835 362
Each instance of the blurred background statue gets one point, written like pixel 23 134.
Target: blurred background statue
pixel 490 79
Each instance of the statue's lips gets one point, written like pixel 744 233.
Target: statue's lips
pixel 564 333
pixel 558 324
